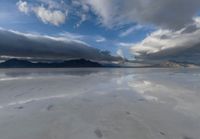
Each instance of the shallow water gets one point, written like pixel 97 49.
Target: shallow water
pixel 99 103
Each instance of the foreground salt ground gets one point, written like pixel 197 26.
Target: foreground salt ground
pixel 100 103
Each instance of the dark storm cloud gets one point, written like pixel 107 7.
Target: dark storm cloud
pixel 15 44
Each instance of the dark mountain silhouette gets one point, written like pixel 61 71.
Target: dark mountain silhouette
pixel 16 63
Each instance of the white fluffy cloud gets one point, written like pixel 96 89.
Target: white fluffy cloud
pixel 53 13
pixel 23 6
pixel 55 17
pixel 183 45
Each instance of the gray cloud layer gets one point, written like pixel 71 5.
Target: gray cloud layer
pixel 15 44
pixel 181 45
pixel 173 14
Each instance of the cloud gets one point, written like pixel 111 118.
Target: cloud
pixel 125 44
pixel 112 13
pixel 180 45
pixel 123 50
pixel 120 53
pixel 72 36
pixel 103 8
pixel 83 19
pixel 23 6
pixel 49 11
pixel 53 4
pixel 55 17
pixel 100 39
pixel 82 12
pixel 177 28
pixel 173 14
pixel 197 21
pixel 130 30
pixel 17 44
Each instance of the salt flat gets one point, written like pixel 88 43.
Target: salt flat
pixel 100 103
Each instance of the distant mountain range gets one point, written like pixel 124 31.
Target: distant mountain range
pixel 161 64
pixel 16 63
pixel 175 64
pixel 78 63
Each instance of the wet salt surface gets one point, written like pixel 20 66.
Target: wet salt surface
pixel 100 103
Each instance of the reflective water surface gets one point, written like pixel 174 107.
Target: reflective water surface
pixel 100 103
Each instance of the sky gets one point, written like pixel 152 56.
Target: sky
pixel 102 30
